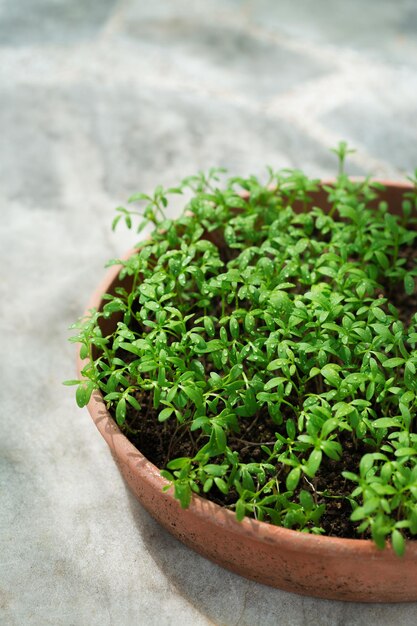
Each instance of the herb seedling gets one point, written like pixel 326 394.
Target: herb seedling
pixel 264 345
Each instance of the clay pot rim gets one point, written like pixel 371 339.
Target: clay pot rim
pixel 201 507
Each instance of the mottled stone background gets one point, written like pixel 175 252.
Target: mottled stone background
pixel 99 99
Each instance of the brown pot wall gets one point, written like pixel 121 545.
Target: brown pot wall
pixel 326 567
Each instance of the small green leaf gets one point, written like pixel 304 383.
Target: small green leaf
pixel 81 396
pixel 358 514
pixel 350 476
pixel 121 411
pixel 133 402
pixel 313 462
pixel 410 369
pixel 221 485
pixel 306 500
pixel 385 422
pixel 379 314
pixel 195 395
pixel 330 374
pixel 240 510
pixel 83 393
pixel 293 479
pixel 165 414
pixel 406 451
pixel 398 542
pixel 382 259
pixel 218 437
pixel 409 284
pixel 234 327
pixel 394 362
pixel 274 382
pixel 207 485
pixel 344 409
pixel 178 463
pixel 249 323
pixel 183 494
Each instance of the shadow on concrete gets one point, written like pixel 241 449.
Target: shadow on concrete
pixel 228 599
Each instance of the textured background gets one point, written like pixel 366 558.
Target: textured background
pixel 102 98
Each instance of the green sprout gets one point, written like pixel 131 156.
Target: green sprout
pixel 267 343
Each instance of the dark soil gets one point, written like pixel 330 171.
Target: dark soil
pixel 161 442
pixel 406 304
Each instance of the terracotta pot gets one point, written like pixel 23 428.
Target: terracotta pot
pixel 326 567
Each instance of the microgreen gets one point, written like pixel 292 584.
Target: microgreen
pixel 266 341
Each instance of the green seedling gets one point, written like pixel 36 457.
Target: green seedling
pixel 260 306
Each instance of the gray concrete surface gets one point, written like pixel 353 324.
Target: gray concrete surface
pixel 100 99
